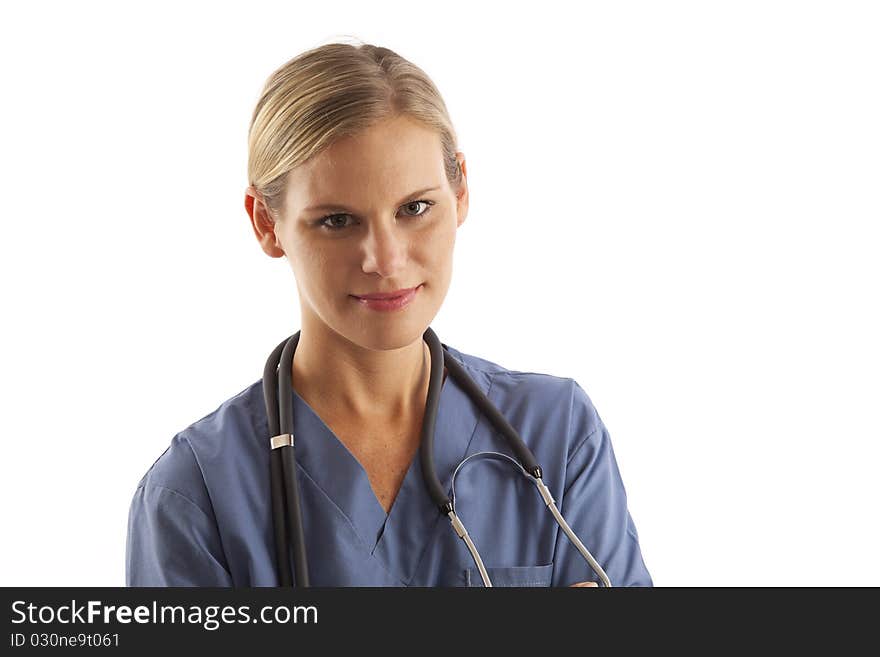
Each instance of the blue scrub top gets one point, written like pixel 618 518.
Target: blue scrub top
pixel 202 514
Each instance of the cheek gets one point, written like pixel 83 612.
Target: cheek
pixel 313 268
pixel 439 241
pixel 435 256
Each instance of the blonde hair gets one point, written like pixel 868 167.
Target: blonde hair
pixel 331 91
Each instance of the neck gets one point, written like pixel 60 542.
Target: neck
pixel 341 379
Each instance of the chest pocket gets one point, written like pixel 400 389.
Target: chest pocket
pixel 512 576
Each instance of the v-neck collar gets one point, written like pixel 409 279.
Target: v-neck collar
pixel 398 539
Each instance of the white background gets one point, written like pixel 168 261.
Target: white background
pixel 674 203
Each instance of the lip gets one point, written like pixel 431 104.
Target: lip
pixel 386 295
pixel 389 300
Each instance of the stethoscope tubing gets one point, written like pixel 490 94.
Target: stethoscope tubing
pixel 286 502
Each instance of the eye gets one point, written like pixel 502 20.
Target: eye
pixel 331 218
pixel 335 226
pixel 417 203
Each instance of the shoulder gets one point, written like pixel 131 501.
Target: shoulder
pixel 533 398
pixel 180 469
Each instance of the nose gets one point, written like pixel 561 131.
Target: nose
pixel 385 250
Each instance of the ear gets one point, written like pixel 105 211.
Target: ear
pixel 262 223
pixel 462 196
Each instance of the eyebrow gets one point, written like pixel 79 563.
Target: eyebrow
pixel 336 206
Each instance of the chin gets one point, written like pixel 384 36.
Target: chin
pixel 387 335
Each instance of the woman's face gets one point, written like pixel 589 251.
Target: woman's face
pixel 374 232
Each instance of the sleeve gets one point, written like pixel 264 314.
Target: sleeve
pixel 594 505
pixel 172 542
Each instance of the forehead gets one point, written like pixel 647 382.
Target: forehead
pixel 388 160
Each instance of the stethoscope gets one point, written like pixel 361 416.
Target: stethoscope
pixel 286 504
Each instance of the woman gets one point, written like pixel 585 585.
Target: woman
pixel 356 180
